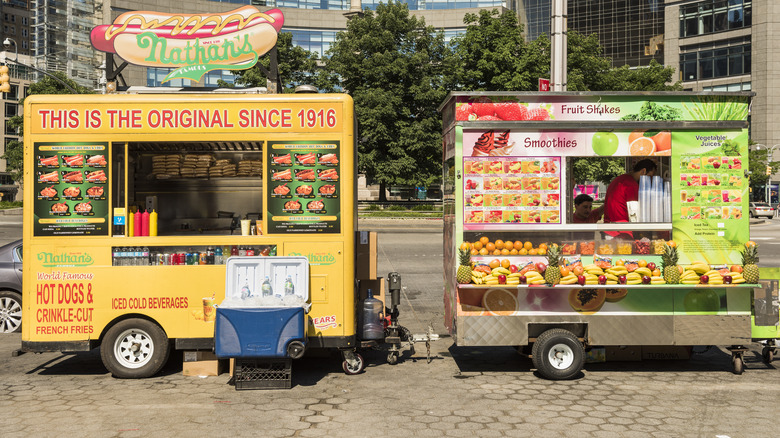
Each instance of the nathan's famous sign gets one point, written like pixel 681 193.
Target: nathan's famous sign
pixel 193 44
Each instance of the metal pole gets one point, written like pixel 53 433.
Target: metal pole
pixel 558 53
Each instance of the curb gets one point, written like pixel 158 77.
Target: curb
pixel 18 211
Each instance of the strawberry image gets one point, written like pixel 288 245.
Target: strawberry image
pixel 538 114
pixel 511 111
pixel 464 112
pixel 482 109
pixel 487 118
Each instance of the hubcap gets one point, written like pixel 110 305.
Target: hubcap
pixel 133 348
pixel 10 315
pixel 560 356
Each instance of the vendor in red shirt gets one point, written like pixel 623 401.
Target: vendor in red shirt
pixel 622 190
pixel 583 213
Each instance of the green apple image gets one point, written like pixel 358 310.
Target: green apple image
pixel 701 301
pixel 605 143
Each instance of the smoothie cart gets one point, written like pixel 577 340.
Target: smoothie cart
pixel 519 271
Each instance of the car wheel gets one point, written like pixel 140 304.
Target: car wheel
pixel 10 312
pixel 135 349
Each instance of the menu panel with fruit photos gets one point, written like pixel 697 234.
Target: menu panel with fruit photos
pixel 304 192
pixel 711 187
pixel 511 190
pixel 71 189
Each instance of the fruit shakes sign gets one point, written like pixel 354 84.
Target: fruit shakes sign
pixel 192 44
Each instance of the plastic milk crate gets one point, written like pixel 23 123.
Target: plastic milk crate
pixel 263 374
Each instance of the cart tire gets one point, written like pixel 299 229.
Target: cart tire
pixel 351 370
pixel 135 349
pixel 769 354
pixel 392 357
pixel 10 312
pixel 738 364
pixel 558 355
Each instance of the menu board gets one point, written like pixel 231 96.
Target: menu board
pixel 304 191
pixel 711 187
pixel 71 189
pixel 510 190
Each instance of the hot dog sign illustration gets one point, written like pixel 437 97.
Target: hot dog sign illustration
pixel 193 44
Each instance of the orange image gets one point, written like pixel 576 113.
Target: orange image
pixel 642 146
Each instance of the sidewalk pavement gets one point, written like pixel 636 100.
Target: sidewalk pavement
pixel 405 225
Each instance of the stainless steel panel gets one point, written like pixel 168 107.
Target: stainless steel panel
pixel 631 330
pixel 492 330
pixel 711 329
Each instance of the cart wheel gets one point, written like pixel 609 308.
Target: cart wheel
pixel 768 353
pixel 738 363
pixel 356 367
pixel 134 349
pixel 558 354
pixel 392 357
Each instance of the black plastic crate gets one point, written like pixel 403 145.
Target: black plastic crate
pixel 263 373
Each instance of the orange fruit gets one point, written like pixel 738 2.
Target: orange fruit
pixel 465 245
pixel 620 262
pixel 509 245
pixel 490 246
pixel 642 146
pixel 656 272
pixel 518 245
pixel 522 251
pixel 513 252
pixel 663 141
pixel 543 246
pixel 680 269
pixel 505 263
pixel 494 263
pixel 470 308
pixel 496 252
pixel 666 153
pixel 528 246
pixel 533 252
pixel 505 251
pixel 483 251
pixel 736 268
pixel 672 243
pixel 750 244
pixel 578 270
pixel 499 300
pixel 634 135
pixel 542 251
pixel 564 271
pixel 477 245
pixel 474 251
pixel 484 240
pixel 642 263
pixel 499 244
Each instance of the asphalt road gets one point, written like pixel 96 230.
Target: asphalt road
pixel 460 392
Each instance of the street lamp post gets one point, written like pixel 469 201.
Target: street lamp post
pixel 7 45
pixel 770 158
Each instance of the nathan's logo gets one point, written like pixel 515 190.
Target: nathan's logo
pixel 51 260
pixel 194 44
pixel 317 258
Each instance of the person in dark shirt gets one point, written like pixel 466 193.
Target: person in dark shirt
pixel 583 210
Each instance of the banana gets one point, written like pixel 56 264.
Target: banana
pixel 689 275
pixel 475 280
pixel 589 277
pixel 633 276
pixel 591 266
pixel 513 275
pixel 633 282
pixel 700 269
pixel 501 270
pixel 595 272
pixel 712 272
pixel 644 271
pixel 541 281
pixel 610 282
pixel 591 282
pixel 689 282
pixel 738 280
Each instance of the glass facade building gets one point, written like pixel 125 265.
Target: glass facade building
pixel 428 5
pixel 711 16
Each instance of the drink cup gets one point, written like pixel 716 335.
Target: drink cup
pixel 704 178
pixel 209 312
pixel 245 227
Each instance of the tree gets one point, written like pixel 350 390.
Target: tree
pixel 759 161
pixel 297 66
pixel 391 64
pixel 14 150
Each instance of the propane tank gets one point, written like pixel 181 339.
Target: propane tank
pixel 372 327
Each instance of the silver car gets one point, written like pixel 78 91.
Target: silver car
pixel 11 287
pixel 761 209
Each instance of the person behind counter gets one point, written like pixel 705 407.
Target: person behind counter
pixel 583 210
pixel 623 190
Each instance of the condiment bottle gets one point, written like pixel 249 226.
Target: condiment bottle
pixel 137 225
pixel 153 223
pixel 145 223
pixel 130 224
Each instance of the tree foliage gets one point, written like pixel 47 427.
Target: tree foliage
pixel 297 66
pixel 14 150
pixel 392 65
pixel 759 160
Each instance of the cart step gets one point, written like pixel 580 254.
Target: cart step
pixel 263 374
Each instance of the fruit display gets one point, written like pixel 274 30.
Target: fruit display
pixel 552 275
pixel 464 267
pixel 750 262
pixel 669 260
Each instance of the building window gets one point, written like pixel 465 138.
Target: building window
pixel 11 109
pixel 739 86
pixel 211 78
pixel 9 130
pixel 699 63
pixel 712 16
pixel 155 76
pixel 313 40
pixel 423 5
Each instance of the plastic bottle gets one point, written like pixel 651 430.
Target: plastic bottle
pixel 145 256
pixel 153 223
pixel 122 257
pixel 145 223
pixel 115 256
pixel 245 292
pixel 289 288
pixel 371 314
pixel 268 291
pixel 130 224
pixel 137 225
pixel 218 258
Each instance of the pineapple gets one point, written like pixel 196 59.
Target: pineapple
pixel 669 264
pixel 749 260
pixel 552 275
pixel 464 268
